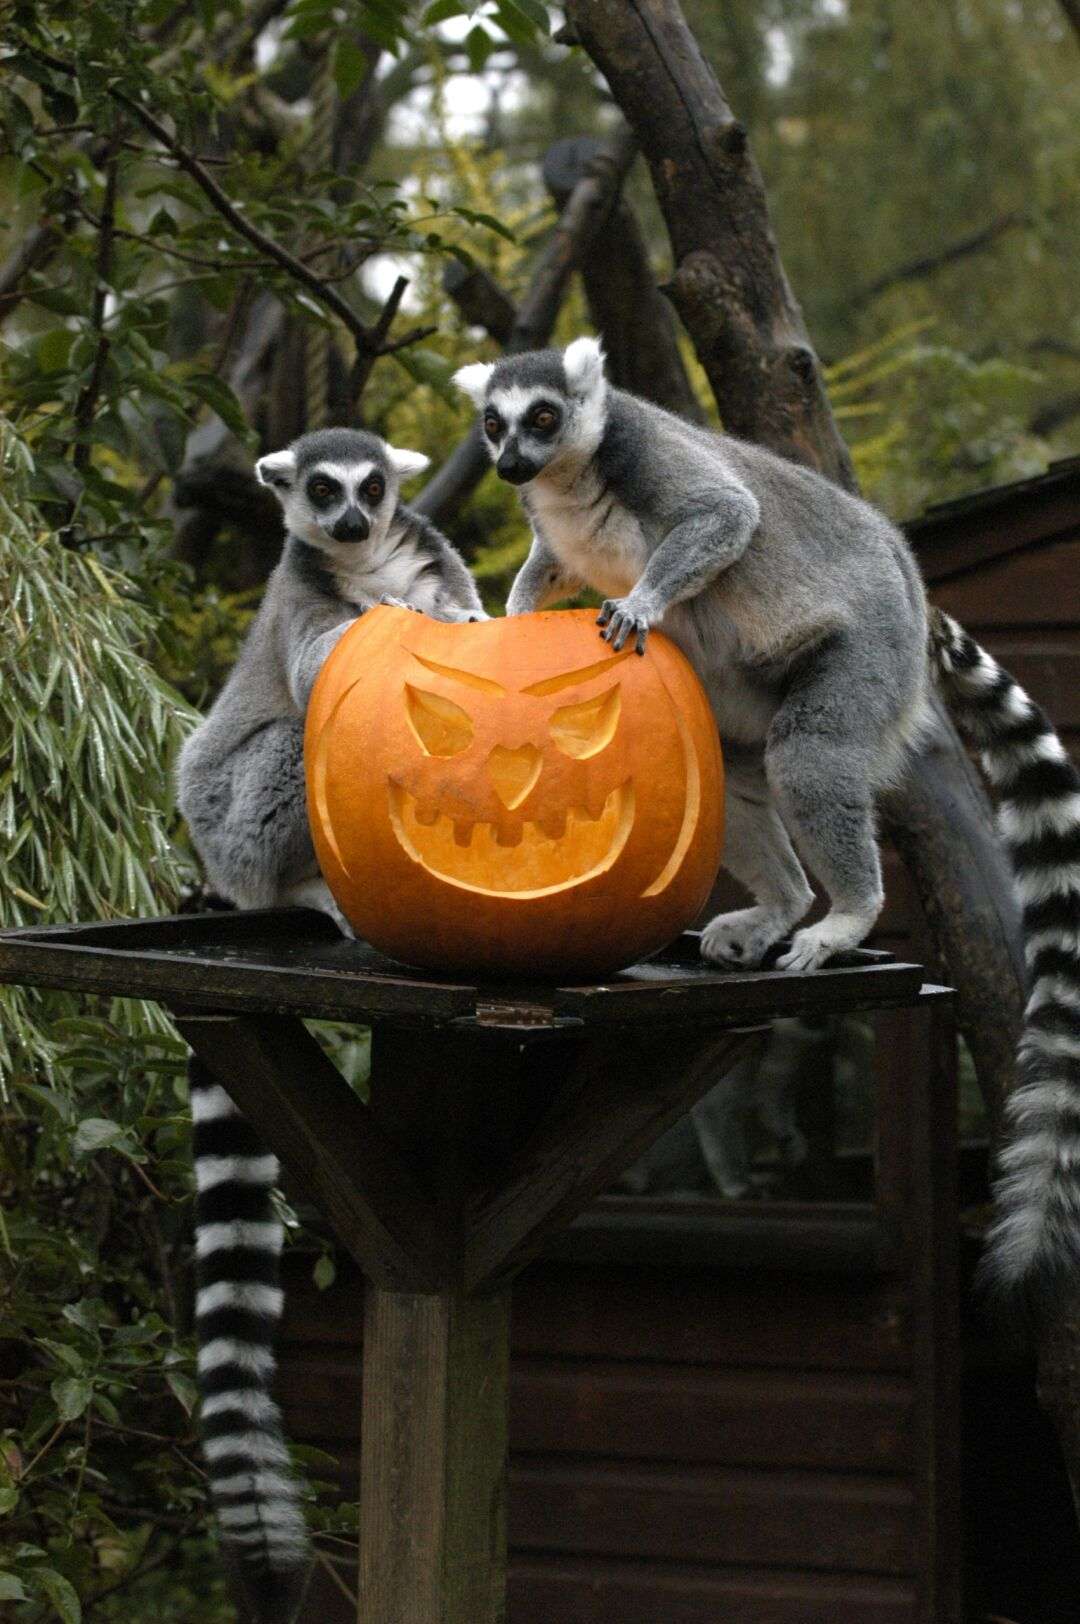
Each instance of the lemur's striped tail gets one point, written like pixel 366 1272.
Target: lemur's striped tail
pixel 237 1308
pixel 1033 1248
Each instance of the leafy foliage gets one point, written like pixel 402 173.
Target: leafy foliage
pixel 95 1387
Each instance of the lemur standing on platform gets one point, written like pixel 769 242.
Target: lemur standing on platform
pixel 804 614
pixel 350 543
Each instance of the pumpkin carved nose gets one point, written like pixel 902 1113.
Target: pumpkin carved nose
pixel 514 772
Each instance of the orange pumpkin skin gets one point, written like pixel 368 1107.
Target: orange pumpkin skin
pixel 511 797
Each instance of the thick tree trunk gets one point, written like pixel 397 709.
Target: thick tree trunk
pixel 729 285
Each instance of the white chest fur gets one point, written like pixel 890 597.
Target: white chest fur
pixel 390 569
pixel 591 533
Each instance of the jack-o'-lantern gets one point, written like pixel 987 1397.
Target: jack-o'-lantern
pixel 512 796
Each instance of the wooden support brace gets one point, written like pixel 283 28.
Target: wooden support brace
pixel 274 1070
pixel 616 1101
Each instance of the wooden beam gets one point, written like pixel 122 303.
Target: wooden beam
pixel 617 1099
pixel 276 1073
pixel 433 1461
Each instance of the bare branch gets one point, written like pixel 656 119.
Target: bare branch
pixel 35 250
pixel 729 286
pixel 365 357
pixel 628 310
pixel 585 211
pixel 1055 414
pixel 1071 8
pixel 480 299
pixel 925 264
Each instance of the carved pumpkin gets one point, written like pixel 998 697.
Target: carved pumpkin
pixel 511 796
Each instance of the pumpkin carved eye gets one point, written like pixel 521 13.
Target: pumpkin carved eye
pixel 586 729
pixel 441 727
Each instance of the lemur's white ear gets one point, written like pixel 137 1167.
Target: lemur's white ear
pixel 406 463
pixel 278 469
pixel 583 361
pixel 474 380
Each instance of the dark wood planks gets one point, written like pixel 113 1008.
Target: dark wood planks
pixel 1035 588
pixel 615 1102
pixel 543 1590
pixel 730 1319
pixel 570 1312
pixel 279 960
pixel 650 1412
pixel 845 1523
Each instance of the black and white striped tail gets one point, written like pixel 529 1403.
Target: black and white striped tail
pixel 237 1308
pixel 1033 1248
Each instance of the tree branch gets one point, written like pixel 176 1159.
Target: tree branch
pixel 628 310
pixel 271 249
pixel 585 211
pixel 1055 414
pixel 480 299
pixel 86 405
pixel 925 264
pixel 35 250
pixel 1071 8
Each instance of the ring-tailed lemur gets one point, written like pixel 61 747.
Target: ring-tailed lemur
pixel 804 614
pixel 350 543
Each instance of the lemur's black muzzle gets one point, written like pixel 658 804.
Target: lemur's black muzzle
pixel 515 468
pixel 352 526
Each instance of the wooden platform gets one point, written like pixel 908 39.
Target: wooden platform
pixel 497 1113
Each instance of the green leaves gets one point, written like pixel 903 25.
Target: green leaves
pixel 71 1395
pixel 61 1593
pixel 98 1133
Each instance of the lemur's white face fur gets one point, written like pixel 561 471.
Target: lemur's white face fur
pixel 338 488
pixel 540 410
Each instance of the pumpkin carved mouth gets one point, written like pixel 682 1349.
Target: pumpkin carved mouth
pixel 519 860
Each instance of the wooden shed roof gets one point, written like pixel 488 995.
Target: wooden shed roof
pixel 953 537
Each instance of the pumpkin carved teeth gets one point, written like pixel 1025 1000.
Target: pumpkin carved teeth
pixel 525 858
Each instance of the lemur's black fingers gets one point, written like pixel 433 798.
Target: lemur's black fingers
pixel 607 609
pixel 643 632
pixel 624 626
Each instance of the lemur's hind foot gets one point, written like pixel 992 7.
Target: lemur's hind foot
pixel 743 937
pixel 836 933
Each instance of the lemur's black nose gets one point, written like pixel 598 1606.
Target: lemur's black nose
pixel 515 468
pixel 352 526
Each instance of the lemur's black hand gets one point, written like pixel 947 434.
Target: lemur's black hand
pixel 620 622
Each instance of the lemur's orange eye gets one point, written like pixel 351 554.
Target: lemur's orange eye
pixel 544 419
pixel 491 426
pixel 373 490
